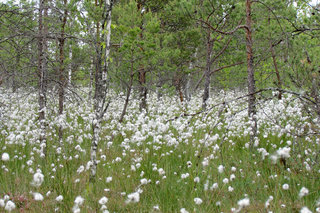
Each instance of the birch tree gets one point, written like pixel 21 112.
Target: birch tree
pixel 100 104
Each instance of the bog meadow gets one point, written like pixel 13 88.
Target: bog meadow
pixel 159 106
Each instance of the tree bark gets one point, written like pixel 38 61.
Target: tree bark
pixel 207 72
pixel 187 87
pixel 142 73
pixel 42 71
pixel 250 71
pixel 70 66
pixel 275 64
pixel 14 74
pixel 177 83
pixel 91 78
pixel 143 89
pixel 100 105
pixel 129 89
pixel 62 81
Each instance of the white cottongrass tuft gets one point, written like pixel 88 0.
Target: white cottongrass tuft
pixel 183 210
pixel 214 186
pixel 196 179
pixel 78 201
pixel 108 179
pixel 225 180
pixel 133 198
pixel 243 203
pixel 103 200
pixel 2 203
pixel 284 152
pixel 80 169
pixel 305 210
pixel 220 168
pixel 197 200
pixel 37 196
pixel 156 208
pixel 303 192
pixel 38 178
pixel 161 171
pixel 267 204
pixel 230 188
pixel 285 186
pixel 10 206
pixel 274 158
pixel 76 209
pixel 5 157
pixel 59 198
pixel 143 181
pixel 280 153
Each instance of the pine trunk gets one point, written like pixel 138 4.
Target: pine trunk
pixel 207 72
pixel 129 89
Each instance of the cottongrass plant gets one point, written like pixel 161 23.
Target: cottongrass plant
pixel 162 160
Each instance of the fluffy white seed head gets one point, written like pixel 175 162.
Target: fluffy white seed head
pixel 37 196
pixel 59 198
pixel 103 200
pixel 197 200
pixel 38 179
pixel 5 157
pixel 133 198
pixel 78 201
pixel 305 210
pixel 10 206
pixel 303 192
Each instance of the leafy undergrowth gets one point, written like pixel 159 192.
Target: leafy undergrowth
pixel 150 163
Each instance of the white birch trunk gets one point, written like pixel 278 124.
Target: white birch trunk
pixel 42 71
pixel 70 67
pixel 100 91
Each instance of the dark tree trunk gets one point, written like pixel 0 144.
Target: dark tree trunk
pixel 142 73
pixel 14 74
pixel 207 72
pixel 178 87
pixel 250 70
pixel 315 92
pixel 275 64
pixel 129 89
pixel 143 89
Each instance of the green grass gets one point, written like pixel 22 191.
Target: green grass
pixel 255 178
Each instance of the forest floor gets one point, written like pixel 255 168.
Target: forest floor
pixel 162 160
